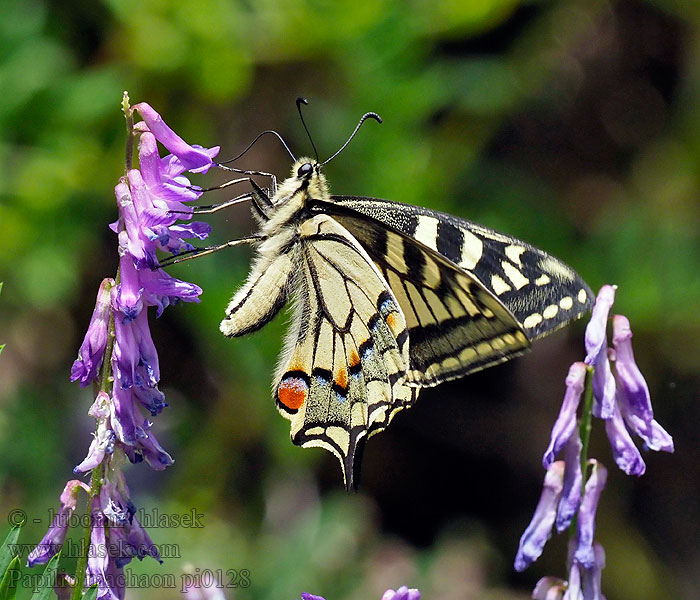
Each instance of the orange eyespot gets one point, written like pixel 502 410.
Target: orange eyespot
pixel 354 358
pixel 391 320
pixel 292 392
pixel 342 379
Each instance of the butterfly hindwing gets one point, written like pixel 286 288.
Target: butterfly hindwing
pixel 540 291
pixel 342 375
pixel 261 297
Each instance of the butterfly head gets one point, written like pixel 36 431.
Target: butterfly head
pixel 306 177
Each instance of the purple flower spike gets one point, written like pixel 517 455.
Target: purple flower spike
pixel 549 588
pixel 597 353
pixel 194 158
pixel 584 553
pixel 307 596
pixel 633 393
pixel 625 453
pixel 403 593
pixel 51 543
pixel 86 366
pixel 573 480
pixel 540 528
pixel 565 424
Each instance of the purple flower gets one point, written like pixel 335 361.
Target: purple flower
pixel 573 478
pixel 101 568
pixel 565 425
pixel 625 453
pixel 403 593
pixel 51 543
pixel 103 442
pixel 87 365
pixel 597 353
pixel 573 586
pixel 591 577
pixel 549 588
pixel 584 554
pixel 193 158
pixel 583 583
pixel 127 538
pixel 540 528
pixel 633 393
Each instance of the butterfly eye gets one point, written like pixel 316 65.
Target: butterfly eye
pixel 304 170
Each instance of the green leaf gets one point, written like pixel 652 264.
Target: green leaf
pixel 8 550
pixel 8 585
pixel 48 577
pixel 91 594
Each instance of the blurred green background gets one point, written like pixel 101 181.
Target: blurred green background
pixel 574 125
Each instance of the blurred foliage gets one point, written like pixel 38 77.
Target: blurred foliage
pixel 574 125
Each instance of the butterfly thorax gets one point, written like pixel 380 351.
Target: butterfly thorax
pixel 306 183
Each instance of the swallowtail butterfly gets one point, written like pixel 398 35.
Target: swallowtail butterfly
pixel 387 298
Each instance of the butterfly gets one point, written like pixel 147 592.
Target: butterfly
pixel 387 298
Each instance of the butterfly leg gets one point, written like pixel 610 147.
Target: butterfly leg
pixel 273 179
pixel 196 252
pixel 212 208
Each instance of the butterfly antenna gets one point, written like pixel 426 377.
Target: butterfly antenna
pixel 369 115
pixel 249 146
pixel 301 101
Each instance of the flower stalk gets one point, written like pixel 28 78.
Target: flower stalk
pixel 129 118
pixel 118 355
pixel 609 386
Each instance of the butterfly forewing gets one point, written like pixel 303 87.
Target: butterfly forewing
pixel 540 291
pixel 342 376
pixel 455 325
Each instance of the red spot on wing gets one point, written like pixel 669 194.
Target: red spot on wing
pixel 292 392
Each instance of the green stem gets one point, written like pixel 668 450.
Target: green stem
pixel 129 116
